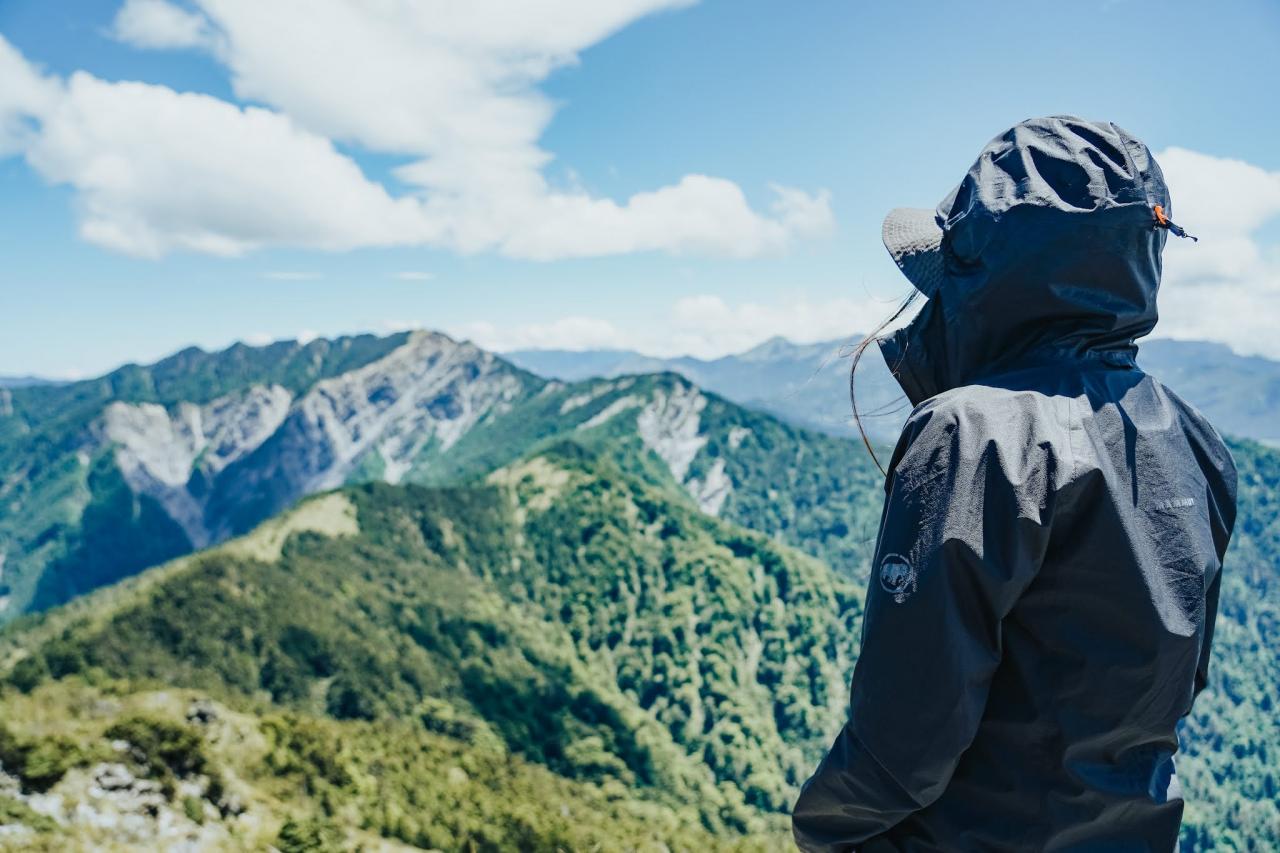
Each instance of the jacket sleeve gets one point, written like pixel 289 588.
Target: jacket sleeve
pixel 964 530
pixel 1206 642
pixel 1222 520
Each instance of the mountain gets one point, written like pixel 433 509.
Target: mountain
pixel 562 656
pixel 808 384
pixel 627 602
pixel 1240 394
pixel 577 657
pixel 103 478
pixel 24 381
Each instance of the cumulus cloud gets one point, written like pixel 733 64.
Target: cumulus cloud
pixel 451 87
pixel 24 98
pixel 1226 287
pixel 156 170
pixel 159 24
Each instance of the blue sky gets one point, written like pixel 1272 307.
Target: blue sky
pixel 480 174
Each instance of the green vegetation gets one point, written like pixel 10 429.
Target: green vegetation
pixel 301 782
pixel 13 811
pixel 565 613
pixel 539 643
pixel 37 762
pixel 162 749
pixel 68 523
pixel 1231 740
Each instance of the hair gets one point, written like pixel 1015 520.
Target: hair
pixel 874 337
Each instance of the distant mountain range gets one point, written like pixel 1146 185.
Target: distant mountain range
pixel 399 590
pixel 23 381
pixel 808 384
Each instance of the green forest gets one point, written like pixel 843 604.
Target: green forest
pixel 559 657
pixel 543 638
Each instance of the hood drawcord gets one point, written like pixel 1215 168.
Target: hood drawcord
pixel 1163 221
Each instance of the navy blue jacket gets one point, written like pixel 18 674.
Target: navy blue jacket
pixel 1041 603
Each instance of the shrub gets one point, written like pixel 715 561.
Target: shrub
pixel 165 749
pixel 314 835
pixel 27 673
pixel 39 763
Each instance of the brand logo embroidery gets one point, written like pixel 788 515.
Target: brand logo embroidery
pixel 897 577
pixel 1176 503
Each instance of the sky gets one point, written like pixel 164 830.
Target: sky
pixel 666 175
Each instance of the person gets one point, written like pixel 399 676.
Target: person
pixel 1044 587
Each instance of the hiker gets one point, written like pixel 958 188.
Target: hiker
pixel 1042 597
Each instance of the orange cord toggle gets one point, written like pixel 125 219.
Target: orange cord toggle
pixel 1163 221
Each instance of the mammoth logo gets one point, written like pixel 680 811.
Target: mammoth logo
pixel 897 577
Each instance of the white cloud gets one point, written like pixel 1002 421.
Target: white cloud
pixel 1226 287
pixel 708 326
pixel 159 24
pixel 157 170
pixel 705 326
pixel 24 98
pixel 414 275
pixel 452 86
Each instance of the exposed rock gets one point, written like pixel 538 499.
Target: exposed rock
pixel 669 426
pixel 202 712
pixel 428 392
pixel 610 411
pixel 111 804
pixel 273 450
pixel 157 450
pixel 711 491
pixel 594 393
pixel 155 454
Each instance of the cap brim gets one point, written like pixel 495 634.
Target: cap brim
pixel 914 240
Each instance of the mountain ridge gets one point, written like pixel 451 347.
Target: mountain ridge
pixel 152 476
pixel 808 384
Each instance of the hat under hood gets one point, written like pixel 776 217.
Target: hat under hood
pixel 1049 248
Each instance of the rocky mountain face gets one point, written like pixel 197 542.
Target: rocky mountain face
pixel 808 384
pixel 211 447
pixel 133 482
pixel 220 468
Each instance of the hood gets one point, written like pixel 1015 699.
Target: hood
pixel 1050 249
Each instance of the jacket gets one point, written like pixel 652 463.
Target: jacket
pixel 1041 603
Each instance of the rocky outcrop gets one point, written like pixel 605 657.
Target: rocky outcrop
pixel 712 490
pixel 386 419
pixel 669 425
pixel 219 468
pixel 160 452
